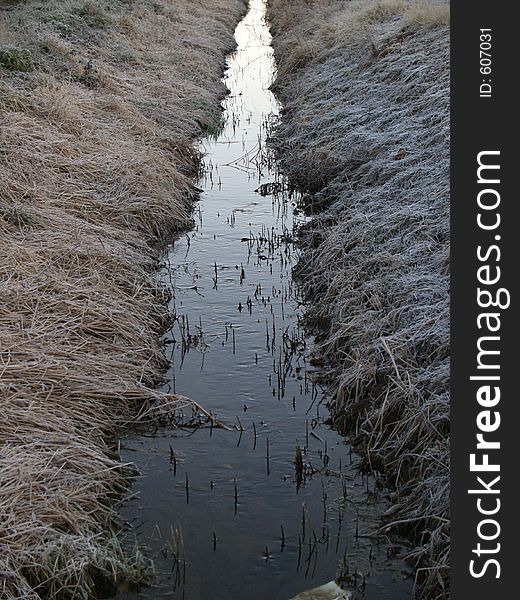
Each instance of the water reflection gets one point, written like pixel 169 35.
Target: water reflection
pixel 275 505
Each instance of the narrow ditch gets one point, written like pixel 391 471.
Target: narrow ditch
pixel 273 504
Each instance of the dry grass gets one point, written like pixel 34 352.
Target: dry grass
pixel 95 172
pixel 365 133
pixel 309 31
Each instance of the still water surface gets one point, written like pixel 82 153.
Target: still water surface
pixel 222 513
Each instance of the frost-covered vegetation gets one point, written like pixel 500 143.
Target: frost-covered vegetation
pixel 365 136
pixel 98 103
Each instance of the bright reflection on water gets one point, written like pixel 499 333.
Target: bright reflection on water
pixel 244 529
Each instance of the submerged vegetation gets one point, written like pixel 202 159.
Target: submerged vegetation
pixel 365 135
pixel 96 121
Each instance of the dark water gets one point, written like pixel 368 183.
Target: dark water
pixel 244 528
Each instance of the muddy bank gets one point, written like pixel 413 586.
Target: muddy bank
pixel 99 102
pixel 365 134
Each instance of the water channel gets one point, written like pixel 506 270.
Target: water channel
pixel 274 504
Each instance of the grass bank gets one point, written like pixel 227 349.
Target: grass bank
pixel 99 103
pixel 365 135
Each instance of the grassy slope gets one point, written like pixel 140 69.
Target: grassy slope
pixel 365 133
pixel 98 103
